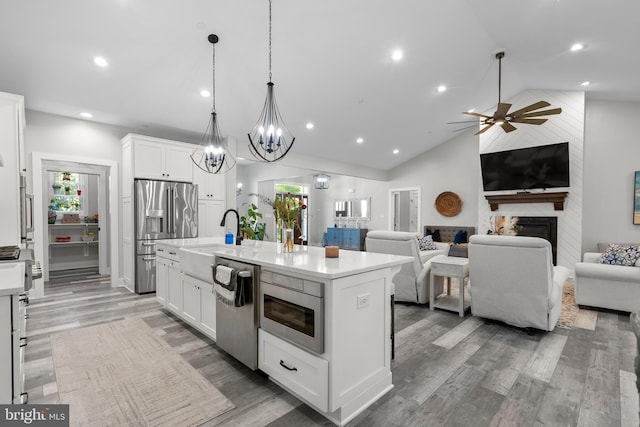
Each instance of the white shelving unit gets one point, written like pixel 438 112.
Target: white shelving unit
pixel 75 253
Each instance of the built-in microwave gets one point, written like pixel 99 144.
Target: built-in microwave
pixel 294 311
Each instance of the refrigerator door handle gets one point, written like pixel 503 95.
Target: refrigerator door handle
pixel 169 213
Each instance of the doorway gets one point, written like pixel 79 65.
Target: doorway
pixel 108 210
pixel 77 243
pixel 404 209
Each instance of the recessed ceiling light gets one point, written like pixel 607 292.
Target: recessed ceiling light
pixel 100 61
pixel 360 140
pixel 397 55
pixel 239 185
pixel 396 151
pixel 205 93
pixel 86 115
pixel 441 88
pixel 576 47
pixel 585 83
pixel 309 125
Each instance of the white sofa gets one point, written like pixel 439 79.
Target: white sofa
pixel 615 287
pixel 512 279
pixel 412 282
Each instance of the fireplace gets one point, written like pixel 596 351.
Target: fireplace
pixel 541 226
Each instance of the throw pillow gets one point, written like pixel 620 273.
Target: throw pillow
pixel 620 255
pixel 460 237
pixel 426 243
pixel 435 234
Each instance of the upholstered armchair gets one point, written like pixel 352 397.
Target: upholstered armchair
pixel 615 287
pixel 412 282
pixel 512 279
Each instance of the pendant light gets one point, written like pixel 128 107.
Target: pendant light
pixel 212 155
pixel 270 140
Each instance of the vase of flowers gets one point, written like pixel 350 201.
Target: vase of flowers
pixel 504 226
pixel 285 210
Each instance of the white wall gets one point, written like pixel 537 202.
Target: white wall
pixel 451 166
pixel 568 126
pixel 611 156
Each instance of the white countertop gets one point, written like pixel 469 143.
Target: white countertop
pixel 11 278
pixel 308 260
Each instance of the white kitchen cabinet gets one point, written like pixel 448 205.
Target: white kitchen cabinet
pixel 174 287
pixel 304 374
pixel 209 216
pixel 11 155
pixel 190 299
pixel 162 279
pixel 208 310
pixel 155 158
pixel 210 186
pixel 13 333
pixel 199 305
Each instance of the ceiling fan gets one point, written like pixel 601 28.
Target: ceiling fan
pixel 505 119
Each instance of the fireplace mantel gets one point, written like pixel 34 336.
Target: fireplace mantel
pixel 556 198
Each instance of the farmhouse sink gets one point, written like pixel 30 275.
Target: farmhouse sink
pixel 197 262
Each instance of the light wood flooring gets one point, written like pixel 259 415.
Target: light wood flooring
pixel 448 371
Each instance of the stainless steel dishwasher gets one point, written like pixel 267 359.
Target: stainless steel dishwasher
pixel 237 327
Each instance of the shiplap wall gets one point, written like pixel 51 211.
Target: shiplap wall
pixel 569 127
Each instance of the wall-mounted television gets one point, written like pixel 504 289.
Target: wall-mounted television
pixel 545 166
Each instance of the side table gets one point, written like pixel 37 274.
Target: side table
pixel 449 267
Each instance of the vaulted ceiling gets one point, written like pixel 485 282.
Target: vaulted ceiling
pixel 332 64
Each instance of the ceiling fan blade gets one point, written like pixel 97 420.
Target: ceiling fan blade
pixel 529 121
pixel 465 128
pixel 466 121
pixel 484 129
pixel 537 105
pixel 508 127
pixel 502 110
pixel 542 113
pixel 471 113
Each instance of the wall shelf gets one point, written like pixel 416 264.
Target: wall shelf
pixel 556 198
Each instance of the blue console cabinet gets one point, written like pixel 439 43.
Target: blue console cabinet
pixel 347 238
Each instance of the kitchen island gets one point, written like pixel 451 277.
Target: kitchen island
pixel 352 367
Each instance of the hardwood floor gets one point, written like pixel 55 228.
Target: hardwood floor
pixel 448 371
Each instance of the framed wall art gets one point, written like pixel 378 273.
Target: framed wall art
pixel 636 199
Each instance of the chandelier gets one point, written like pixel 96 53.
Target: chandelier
pixel 269 139
pixel 212 155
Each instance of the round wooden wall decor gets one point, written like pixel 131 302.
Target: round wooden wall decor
pixel 448 203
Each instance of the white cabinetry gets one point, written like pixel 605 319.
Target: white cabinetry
pixel 155 158
pixel 302 373
pixel 12 333
pixel 12 159
pixel 209 216
pixel 162 279
pixel 190 299
pixel 174 287
pixel 210 186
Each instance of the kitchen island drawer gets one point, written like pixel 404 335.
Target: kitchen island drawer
pixel 166 251
pixel 303 374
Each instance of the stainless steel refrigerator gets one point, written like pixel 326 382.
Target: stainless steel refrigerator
pixel 163 210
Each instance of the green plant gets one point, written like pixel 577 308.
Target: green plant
pixel 249 225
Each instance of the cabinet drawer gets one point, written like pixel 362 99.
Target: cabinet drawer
pixel 303 374
pixel 168 252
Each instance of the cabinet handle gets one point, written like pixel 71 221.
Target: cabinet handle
pixel 172 253
pixel 26 316
pixel 24 298
pixel 149 258
pixel 286 367
pixel 23 342
pixel 159 250
pixel 148 244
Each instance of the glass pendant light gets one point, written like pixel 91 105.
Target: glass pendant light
pixel 270 140
pixel 212 155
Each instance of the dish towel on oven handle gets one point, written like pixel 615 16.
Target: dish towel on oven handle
pixel 229 290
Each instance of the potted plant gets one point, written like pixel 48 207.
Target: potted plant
pixel 67 189
pixel 57 188
pixel 250 228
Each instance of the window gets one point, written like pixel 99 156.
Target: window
pixel 66 195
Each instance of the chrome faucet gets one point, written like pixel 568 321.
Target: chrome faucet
pixel 224 217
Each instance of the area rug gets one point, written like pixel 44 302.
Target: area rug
pixel 122 373
pixel 569 307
